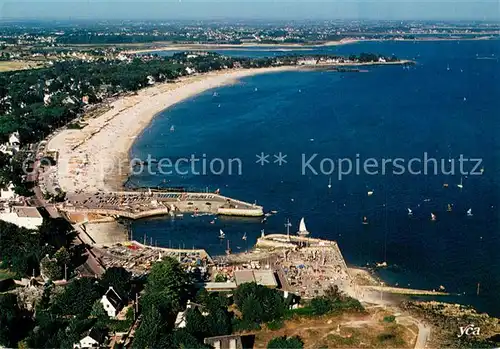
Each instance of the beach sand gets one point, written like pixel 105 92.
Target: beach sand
pixel 96 157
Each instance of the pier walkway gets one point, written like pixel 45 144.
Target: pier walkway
pixel 136 205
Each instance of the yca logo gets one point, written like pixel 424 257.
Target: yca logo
pixel 469 330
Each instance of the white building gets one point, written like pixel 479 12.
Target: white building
pixel 94 339
pixel 22 216
pixel 307 61
pixel 46 98
pixel 190 70
pixel 112 302
pixel 7 192
pixel 12 146
pixel 180 321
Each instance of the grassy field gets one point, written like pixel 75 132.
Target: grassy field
pixel 343 331
pixel 5 274
pixel 15 65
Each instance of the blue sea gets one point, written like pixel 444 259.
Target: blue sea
pixel 447 105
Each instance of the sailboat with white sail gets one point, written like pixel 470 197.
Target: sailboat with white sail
pixel 244 237
pixel 221 234
pixel 461 185
pixel 302 228
pixel 469 212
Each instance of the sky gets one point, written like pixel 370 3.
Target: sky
pixel 488 10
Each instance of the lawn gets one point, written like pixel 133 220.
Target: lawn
pixel 15 65
pixel 342 331
pixel 5 274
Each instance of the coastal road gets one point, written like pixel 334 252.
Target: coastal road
pixel 424 333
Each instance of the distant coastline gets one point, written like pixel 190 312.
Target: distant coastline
pixel 242 47
pixel 163 47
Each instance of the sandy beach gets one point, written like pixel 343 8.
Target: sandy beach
pixel 96 157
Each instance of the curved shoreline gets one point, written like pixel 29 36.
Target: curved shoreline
pixel 242 47
pixel 97 157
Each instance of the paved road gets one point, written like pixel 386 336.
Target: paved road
pixel 424 333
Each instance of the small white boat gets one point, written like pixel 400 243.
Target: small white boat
pixel 244 237
pixel 433 217
pixel 329 182
pixel 365 220
pixel 448 67
pixel 469 212
pixel 410 212
pixel 256 89
pixel 381 265
pixel 172 128
pixel 221 234
pixel 215 94
pixel 370 192
pixel 461 185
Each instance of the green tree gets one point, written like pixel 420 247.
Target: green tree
pixel 252 310
pixel 285 343
pixel 99 314
pixel 77 298
pixel 157 300
pixel 13 327
pixel 20 249
pixel 182 339
pixel 62 255
pixel 168 278
pixel 118 278
pixel 320 305
pixel 196 323
pixel 149 331
pixel 130 315
pixel 219 322
pixel 51 269
pixel 258 303
pixel 220 278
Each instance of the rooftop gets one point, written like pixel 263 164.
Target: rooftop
pixel 261 277
pixel 25 211
pixel 113 298
pixel 220 285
